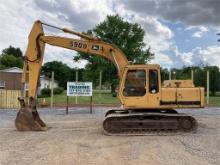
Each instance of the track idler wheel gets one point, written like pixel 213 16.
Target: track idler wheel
pixel 28 118
pixel 188 124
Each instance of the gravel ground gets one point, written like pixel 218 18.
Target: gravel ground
pixel 78 138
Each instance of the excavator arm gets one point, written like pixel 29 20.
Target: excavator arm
pixel 87 44
pixel 28 117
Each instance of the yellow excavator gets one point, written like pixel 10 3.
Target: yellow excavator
pixel 148 104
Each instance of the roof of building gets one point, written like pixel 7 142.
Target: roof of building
pixel 19 70
pixel 12 70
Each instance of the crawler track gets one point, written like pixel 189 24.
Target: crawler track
pixel 124 122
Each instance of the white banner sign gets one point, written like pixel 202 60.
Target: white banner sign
pixel 79 88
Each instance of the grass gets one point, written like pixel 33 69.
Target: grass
pixel 105 98
pixel 214 101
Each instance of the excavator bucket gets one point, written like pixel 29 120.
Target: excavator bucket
pixel 28 118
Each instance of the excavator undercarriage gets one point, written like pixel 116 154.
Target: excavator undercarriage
pixel 130 122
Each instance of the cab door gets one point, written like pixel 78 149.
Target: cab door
pixel 133 93
pixel 153 93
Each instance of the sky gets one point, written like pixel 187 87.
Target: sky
pixel 179 32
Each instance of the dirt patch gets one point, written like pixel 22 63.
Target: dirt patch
pixel 78 138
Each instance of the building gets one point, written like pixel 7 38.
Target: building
pixel 10 79
pixel 46 82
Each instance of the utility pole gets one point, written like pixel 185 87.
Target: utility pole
pixel 51 97
pixel 192 75
pixel 100 85
pixel 174 73
pixel 207 88
pixel 76 100
pixel 170 72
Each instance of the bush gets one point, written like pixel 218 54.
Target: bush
pixel 58 90
pixel 114 94
pixel 46 92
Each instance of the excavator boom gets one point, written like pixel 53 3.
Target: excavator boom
pixel 87 44
pixel 28 117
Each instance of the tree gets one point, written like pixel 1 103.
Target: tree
pixel 73 74
pixel 16 52
pixel 127 36
pixel 8 61
pixel 214 78
pixel 62 72
pixel 11 57
pixel 200 76
pixel 164 74
pixel 185 72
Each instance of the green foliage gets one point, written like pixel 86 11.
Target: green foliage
pixel 104 98
pixel 164 74
pixel 1 65
pixel 125 35
pixel 62 72
pixel 16 52
pixel 73 74
pixel 46 92
pixel 114 94
pixel 11 57
pixel 214 76
pixel 200 76
pixel 8 61
pixel 92 72
pixel 58 90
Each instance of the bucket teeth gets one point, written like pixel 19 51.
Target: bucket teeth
pixel 27 118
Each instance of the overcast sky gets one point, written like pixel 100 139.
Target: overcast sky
pixel 180 32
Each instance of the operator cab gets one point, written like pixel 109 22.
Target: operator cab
pixel 140 86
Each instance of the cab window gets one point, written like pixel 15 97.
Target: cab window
pixel 153 81
pixel 135 83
